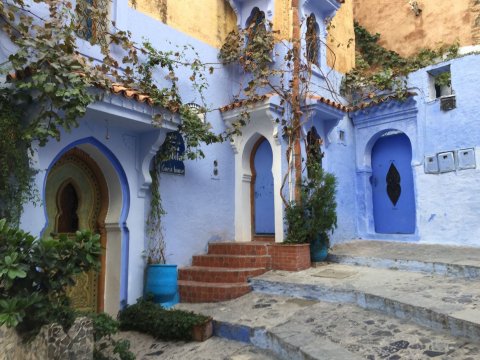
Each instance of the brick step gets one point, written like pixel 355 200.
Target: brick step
pixel 232 261
pixel 232 248
pixel 198 292
pixel 218 274
pixel 264 238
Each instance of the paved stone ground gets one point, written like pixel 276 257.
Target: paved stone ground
pixel 451 296
pixel 146 347
pixel 397 303
pixel 457 255
pixel 365 334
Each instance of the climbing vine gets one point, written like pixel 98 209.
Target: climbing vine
pixel 16 175
pixel 289 77
pixel 156 246
pixel 50 84
pixel 381 72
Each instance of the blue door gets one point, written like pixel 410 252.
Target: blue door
pixel 263 190
pixel 392 185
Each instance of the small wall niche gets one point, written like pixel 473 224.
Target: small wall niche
pixel 440 82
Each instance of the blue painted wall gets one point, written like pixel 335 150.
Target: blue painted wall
pixel 199 205
pixel 448 203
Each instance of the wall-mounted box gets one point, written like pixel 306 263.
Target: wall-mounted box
pixel 448 103
pixel 446 162
pixel 466 159
pixel 431 164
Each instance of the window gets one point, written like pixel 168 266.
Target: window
pixel 255 24
pixel 314 148
pixel 67 204
pixel 440 82
pixel 92 19
pixel 197 109
pixel 312 41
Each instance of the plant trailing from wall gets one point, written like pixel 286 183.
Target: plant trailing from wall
pixel 54 82
pixel 289 78
pixel 149 318
pixel 381 72
pixel 443 79
pixel 155 251
pixel 35 275
pixel 16 175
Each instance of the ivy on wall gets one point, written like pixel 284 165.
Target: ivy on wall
pixel 381 72
pixel 55 84
pixel 16 175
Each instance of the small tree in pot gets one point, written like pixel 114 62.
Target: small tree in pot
pixel 315 217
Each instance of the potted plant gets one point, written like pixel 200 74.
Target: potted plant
pixel 315 217
pixel 161 279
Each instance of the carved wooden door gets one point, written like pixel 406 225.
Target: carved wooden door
pixel 73 200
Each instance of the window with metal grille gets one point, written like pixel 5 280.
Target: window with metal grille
pixel 92 19
pixel 312 41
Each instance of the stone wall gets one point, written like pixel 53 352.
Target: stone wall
pixel 51 343
pixel 440 21
pixel 208 20
pixel 475 8
pixel 341 39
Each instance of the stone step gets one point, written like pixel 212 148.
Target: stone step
pixel 295 328
pixel 232 261
pixel 238 248
pixel 463 262
pixel 439 302
pixel 218 274
pixel 202 292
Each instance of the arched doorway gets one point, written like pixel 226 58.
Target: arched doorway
pixel 392 185
pixel 262 193
pixel 76 197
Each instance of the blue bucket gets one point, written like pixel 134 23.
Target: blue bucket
pixel 162 283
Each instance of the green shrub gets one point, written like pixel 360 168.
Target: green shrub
pixel 35 275
pixel 147 317
pixel 316 215
pixel 107 348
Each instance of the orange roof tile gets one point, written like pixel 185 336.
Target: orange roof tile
pixel 115 88
pixel 327 101
pixel 258 99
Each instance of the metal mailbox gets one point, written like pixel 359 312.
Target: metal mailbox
pixel 446 161
pixel 466 159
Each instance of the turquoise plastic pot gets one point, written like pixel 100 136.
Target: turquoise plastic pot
pixel 319 248
pixel 162 283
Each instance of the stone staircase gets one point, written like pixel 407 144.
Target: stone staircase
pixel 222 274
pixel 373 300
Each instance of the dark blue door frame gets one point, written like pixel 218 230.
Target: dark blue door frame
pixel 392 185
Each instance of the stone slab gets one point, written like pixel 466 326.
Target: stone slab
pixel 439 302
pixel 146 347
pixel 306 329
pixel 455 261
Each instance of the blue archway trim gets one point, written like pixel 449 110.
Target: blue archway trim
pixel 125 204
